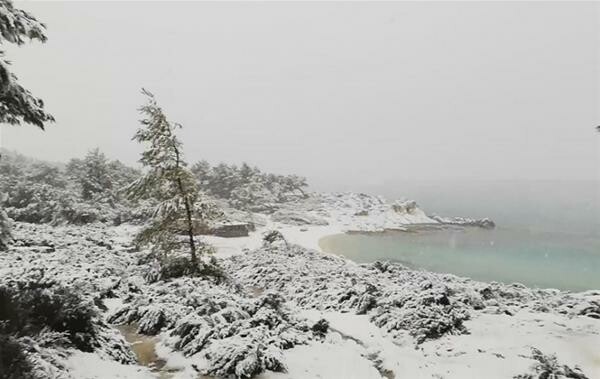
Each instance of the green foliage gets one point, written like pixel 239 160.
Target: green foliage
pixel 13 359
pixel 39 314
pixel 167 180
pixel 18 105
pixel 28 308
pixel 176 267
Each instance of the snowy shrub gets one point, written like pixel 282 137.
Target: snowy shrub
pixel 211 269
pixel 13 359
pixel 32 202
pixel 27 308
pixel 41 203
pixel 242 342
pixel 273 236
pixel 396 299
pixel 242 357
pixel 5 233
pixel 176 267
pixel 320 328
pixel 42 322
pixel 547 367
pixel 236 335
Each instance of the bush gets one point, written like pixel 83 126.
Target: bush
pixel 272 236
pixel 547 366
pixel 180 266
pixel 5 233
pixel 13 361
pixel 28 308
pixel 176 267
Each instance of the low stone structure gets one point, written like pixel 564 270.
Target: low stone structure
pixel 231 229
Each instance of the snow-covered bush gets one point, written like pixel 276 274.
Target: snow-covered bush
pixel 41 321
pixel 320 328
pixel 32 202
pixel 236 335
pixel 273 236
pixel 27 308
pixel 5 233
pixel 13 359
pixel 177 266
pixel 547 367
pixel 396 299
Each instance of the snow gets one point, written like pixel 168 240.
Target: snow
pixel 383 319
pixel 333 358
pixel 497 346
pixel 227 247
pixel 90 366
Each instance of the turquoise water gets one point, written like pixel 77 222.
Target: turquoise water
pixel 536 259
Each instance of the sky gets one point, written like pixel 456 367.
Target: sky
pixel 346 94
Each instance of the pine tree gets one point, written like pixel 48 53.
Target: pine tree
pixel 95 178
pixel 203 173
pixel 167 180
pixel 18 105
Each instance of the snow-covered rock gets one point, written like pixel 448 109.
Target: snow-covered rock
pixel 359 212
pixel 485 223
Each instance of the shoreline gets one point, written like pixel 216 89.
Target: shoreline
pixel 503 322
pixel 497 345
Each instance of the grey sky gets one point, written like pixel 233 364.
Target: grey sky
pixel 342 93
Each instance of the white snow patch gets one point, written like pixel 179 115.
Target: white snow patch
pixel 90 366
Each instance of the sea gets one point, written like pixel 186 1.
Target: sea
pixel 547 233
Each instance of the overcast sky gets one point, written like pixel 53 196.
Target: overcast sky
pixel 343 93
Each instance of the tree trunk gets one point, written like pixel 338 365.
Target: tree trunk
pixel 188 211
pixel 190 224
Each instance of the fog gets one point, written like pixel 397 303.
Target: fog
pixel 350 95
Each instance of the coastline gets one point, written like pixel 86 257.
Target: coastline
pixel 502 329
pixel 497 346
pixel 383 320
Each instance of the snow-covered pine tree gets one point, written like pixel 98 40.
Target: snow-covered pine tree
pixel 18 105
pixel 167 180
pixel 203 173
pixel 95 178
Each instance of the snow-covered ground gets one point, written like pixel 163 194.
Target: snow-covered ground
pixel 383 320
pixel 498 345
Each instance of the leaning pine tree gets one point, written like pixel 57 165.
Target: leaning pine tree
pixel 167 180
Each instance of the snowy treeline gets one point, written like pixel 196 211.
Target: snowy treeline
pixel 247 187
pixel 90 189
pixel 82 191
